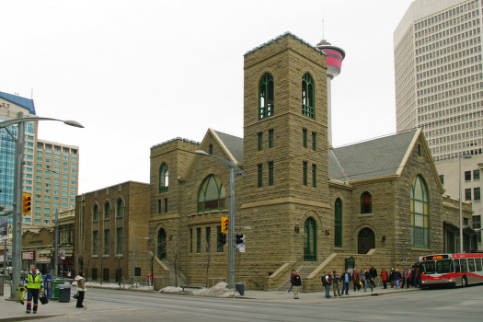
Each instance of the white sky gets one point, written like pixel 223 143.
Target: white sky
pixel 137 73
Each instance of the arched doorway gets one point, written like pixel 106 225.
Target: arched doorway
pixel 365 240
pixel 310 240
pixel 161 244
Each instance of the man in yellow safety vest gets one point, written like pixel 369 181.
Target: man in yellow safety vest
pixel 34 284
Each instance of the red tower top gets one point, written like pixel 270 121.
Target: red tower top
pixel 335 56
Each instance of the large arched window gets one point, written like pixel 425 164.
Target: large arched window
pixel 95 212
pixel 308 104
pixel 119 208
pixel 163 177
pixel 211 194
pixel 265 96
pixel 161 247
pixel 310 240
pixel 338 223
pixel 419 213
pixel 366 203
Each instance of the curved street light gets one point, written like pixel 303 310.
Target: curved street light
pixel 18 184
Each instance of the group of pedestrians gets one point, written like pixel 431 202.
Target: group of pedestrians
pixel 359 279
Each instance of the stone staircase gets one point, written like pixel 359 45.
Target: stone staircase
pixel 312 272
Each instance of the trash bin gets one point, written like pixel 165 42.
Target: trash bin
pixel 2 284
pixel 240 287
pixel 64 293
pixel 55 288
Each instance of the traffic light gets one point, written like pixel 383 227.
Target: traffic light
pixel 224 224
pixel 26 202
pixel 222 239
pixel 240 239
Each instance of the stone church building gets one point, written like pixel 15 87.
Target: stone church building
pixel 299 203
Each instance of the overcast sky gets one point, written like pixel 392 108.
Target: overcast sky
pixel 137 73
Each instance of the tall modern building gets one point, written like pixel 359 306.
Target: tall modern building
pixel 55 181
pixel 10 107
pixel 439 82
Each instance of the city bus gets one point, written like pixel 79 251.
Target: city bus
pixel 451 269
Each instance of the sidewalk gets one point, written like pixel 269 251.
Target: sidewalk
pixel 14 311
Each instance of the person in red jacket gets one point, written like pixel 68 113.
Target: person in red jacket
pixel 384 278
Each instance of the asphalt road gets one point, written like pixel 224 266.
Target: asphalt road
pixel 461 304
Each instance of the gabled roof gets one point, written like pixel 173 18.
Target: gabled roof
pixel 20 101
pixel 380 157
pixel 287 34
pixel 233 145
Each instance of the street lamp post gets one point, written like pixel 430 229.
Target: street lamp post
pixel 18 187
pixel 231 216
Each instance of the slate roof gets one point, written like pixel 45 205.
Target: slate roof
pixel 375 158
pixel 234 144
pixel 371 159
pixel 20 101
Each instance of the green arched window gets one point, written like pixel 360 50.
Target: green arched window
pixel 163 178
pixel 310 240
pixel 419 209
pixel 211 194
pixel 308 104
pixel 338 223
pixel 265 96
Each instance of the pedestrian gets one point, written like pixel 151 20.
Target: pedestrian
pixel 373 272
pixel 81 290
pixel 356 280
pixel 34 286
pixel 345 278
pixel 296 282
pixel 362 278
pixel 335 283
pixel 396 277
pixel 384 278
pixel 326 283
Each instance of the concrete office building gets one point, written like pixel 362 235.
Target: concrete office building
pixel 55 180
pixel 438 75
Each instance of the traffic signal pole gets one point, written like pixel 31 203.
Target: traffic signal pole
pixel 17 214
pixel 231 229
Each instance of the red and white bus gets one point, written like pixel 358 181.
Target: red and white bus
pixel 451 269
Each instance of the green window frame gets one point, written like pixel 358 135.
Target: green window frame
pixel 314 175
pixel 271 142
pixel 119 240
pixel 270 173
pixel 308 100
pixel 304 172
pixel 304 138
pixel 419 212
pixel 162 241
pixel 219 244
pixel 310 239
pixel 211 194
pixel 208 239
pixel 260 141
pixel 107 210
pixel 120 208
pixel 265 97
pixel 198 240
pixel 163 177
pixel 338 223
pixel 314 141
pixel 259 175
